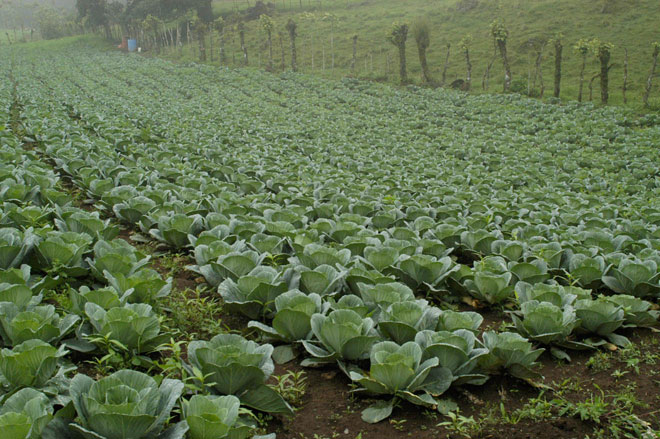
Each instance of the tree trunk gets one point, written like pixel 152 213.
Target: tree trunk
pixel 403 72
pixel 211 34
pixel 591 86
pixel 270 51
pixel 178 39
pixel 241 36
pixel 202 46
pixel 223 53
pixel 604 59
pixel 355 38
pixel 485 81
pixel 332 46
pixel 294 66
pixel 505 61
pixel 584 64
pixel 421 49
pixel 649 80
pixel 539 72
pixel 468 80
pixel 444 70
pixel 558 51
pixel 625 75
pixel 283 61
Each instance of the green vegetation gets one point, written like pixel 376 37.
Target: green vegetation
pixel 531 25
pixel 348 224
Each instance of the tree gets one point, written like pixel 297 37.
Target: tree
pixel 582 47
pixel 603 52
pixel 558 51
pixel 354 59
pixel 500 35
pixel 219 26
pixel 398 35
pixel 151 26
pixel 421 32
pixel 649 80
pixel 464 44
pixel 267 25
pixel 332 18
pixel 200 27
pixel 241 35
pixel 291 29
pixel 95 12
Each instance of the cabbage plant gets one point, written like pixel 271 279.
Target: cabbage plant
pixel 452 320
pixel 90 223
pixel 116 257
pixel 398 370
pixel 491 288
pixel 401 321
pixel 30 364
pixel 132 210
pixel 635 278
pixel 457 351
pixel 601 318
pixel 25 414
pixel 313 255
pixel 511 352
pixel 135 326
pixel 636 312
pixel 548 324
pixel 63 252
pixel 126 404
pixel 232 266
pixel 15 246
pixel 293 314
pixel 586 270
pixel 379 296
pixel 215 417
pixel 144 286
pixel 424 270
pixel 174 229
pixel 556 294
pixel 254 294
pixel 106 298
pixel 323 280
pixel 37 322
pixel 344 335
pixel 239 367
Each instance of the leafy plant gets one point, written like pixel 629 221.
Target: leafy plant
pixel 236 366
pixel 215 417
pixel 399 371
pixel 510 351
pixel 15 246
pixel 30 364
pixel 135 326
pixel 601 317
pixel 38 322
pixel 125 404
pixel 636 278
pixel 457 351
pixel 344 336
pixel 25 414
pixel 255 293
pixel 401 321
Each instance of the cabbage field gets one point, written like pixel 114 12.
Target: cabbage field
pixel 361 261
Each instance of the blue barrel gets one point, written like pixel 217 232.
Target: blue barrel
pixel 132 45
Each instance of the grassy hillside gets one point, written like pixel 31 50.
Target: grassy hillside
pixel 628 24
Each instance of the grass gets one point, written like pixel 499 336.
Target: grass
pixel 631 27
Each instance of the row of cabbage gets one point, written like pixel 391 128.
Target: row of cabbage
pixel 323 271
pixel 46 244
pixel 592 248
